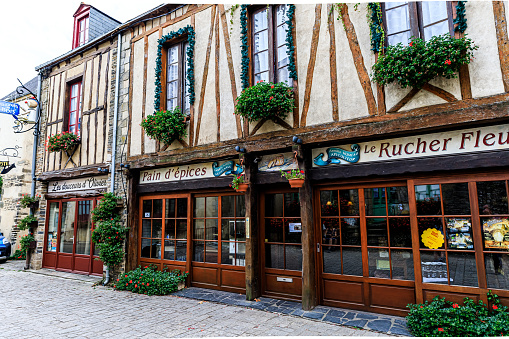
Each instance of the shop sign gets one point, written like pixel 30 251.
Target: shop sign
pixel 479 139
pixel 276 162
pixel 77 184
pixel 189 172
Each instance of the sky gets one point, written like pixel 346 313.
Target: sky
pixel 33 32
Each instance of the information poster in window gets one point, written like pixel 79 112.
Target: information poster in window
pixel 295 227
pixel 496 233
pixel 459 233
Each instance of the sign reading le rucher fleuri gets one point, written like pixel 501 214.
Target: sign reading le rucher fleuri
pixel 481 139
pixel 189 172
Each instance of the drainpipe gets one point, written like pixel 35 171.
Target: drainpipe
pixel 34 158
pixel 115 117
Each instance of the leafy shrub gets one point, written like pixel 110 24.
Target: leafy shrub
pixel 109 233
pixel 18 255
pixel 26 200
pixel 442 318
pixel 166 126
pixel 63 141
pixel 293 174
pixel 421 61
pixel 265 100
pixel 26 221
pixel 149 281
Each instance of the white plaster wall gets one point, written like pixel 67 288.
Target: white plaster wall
pixel 137 97
pixel 150 145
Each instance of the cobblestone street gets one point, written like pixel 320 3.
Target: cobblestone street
pixel 35 304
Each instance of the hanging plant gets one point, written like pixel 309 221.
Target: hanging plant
pixel 265 100
pixel 190 62
pixel 376 29
pixel 63 141
pixel 294 177
pixel 27 221
pixel 420 62
pixel 166 126
pixel 239 184
pixel 109 233
pixel 28 201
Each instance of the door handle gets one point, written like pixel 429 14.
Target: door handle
pixel 318 247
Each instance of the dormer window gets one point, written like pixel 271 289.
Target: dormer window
pixel 82 34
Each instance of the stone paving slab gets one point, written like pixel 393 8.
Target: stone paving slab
pixel 36 305
pixel 366 320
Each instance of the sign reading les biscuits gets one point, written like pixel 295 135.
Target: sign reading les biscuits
pixel 77 184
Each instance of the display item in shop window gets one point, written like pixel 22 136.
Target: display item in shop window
pixel 459 233
pixel 432 238
pixel 496 233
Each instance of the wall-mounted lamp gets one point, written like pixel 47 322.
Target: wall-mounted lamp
pixel 240 149
pixel 297 140
pixel 257 160
pixel 126 166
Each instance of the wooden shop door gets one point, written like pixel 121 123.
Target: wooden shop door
pixel 365 243
pixel 281 248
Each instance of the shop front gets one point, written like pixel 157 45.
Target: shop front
pixel 68 242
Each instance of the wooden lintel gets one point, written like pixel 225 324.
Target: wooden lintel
pixel 358 60
pixel 439 92
pixel 76 194
pixel 311 64
pixel 404 101
pixel 502 40
pixel 71 173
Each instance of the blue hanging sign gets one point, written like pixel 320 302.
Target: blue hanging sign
pixel 335 155
pixel 226 168
pixel 9 108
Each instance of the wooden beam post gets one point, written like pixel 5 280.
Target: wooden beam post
pixel 309 300
pixel 253 286
pixel 132 222
pixel 502 40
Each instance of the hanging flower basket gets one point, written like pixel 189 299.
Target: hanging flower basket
pixel 239 184
pixel 63 141
pixel 294 177
pixel 242 187
pixel 166 126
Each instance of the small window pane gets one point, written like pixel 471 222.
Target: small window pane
pixel 198 248
pixel 169 230
pixel 403 37
pixel 293 234
pixel 173 72
pixel 274 205
pixel 228 206
pixel 397 199
pixel 173 55
pixel 456 199
pixel 260 20
pixel 329 203
pixel 171 104
pixel 240 206
pixel 170 208
pixel 228 253
pixel 497 270
pixel 349 202
pixel 156 249
pixel 436 29
pixel 240 230
pixel 399 229
pixel 434 268
pixel 462 270
pixel 145 248
pixel 292 205
pixel 145 228
pixel 428 199
pixel 281 36
pixel 169 250
pixel 274 256
pixel 397 19
pixel 281 14
pixel 352 261
pixel 199 207
pixel 261 41
pixel 330 232
pixel 284 76
pixel 331 259
pixel 392 4
pixel 182 208
pixel 377 231
pixel 282 56
pixel 261 62
pixel 211 230
pixel 402 264
pixel 430 223
pixel 350 231
pixel 157 228
pixel 433 11
pixel 492 197
pixel 375 201
pixel 212 205
pixel 158 208
pixel 199 229
pixel 241 254
pixel 293 257
pixel 73 105
pixel 459 234
pixel 274 230
pixel 53 226
pixel 495 233
pixel 211 254
pixel 181 253
pixel 181 229
pixel 379 263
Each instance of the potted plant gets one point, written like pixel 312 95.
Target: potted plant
pixel 29 201
pixel 166 126
pixel 421 61
pixel 265 100
pixel 239 184
pixel 294 177
pixel 27 222
pixel 63 141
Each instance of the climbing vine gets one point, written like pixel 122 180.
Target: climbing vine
pixel 232 10
pixel 190 62
pixel 460 17
pixel 290 44
pixel 244 47
pixel 376 29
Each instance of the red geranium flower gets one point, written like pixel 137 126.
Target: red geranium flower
pixel 495 307
pixel 455 305
pixel 440 329
pixel 411 43
pixel 447 62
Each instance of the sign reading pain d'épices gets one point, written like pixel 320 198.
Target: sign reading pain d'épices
pixel 481 139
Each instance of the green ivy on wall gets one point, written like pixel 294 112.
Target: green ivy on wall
pixel 460 17
pixel 190 62
pixel 290 50
pixel 376 29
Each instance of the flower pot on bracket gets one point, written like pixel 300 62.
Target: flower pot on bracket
pixel 33 244
pixel 34 205
pixel 242 187
pixel 296 183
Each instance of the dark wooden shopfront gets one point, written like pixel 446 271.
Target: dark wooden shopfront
pixel 68 244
